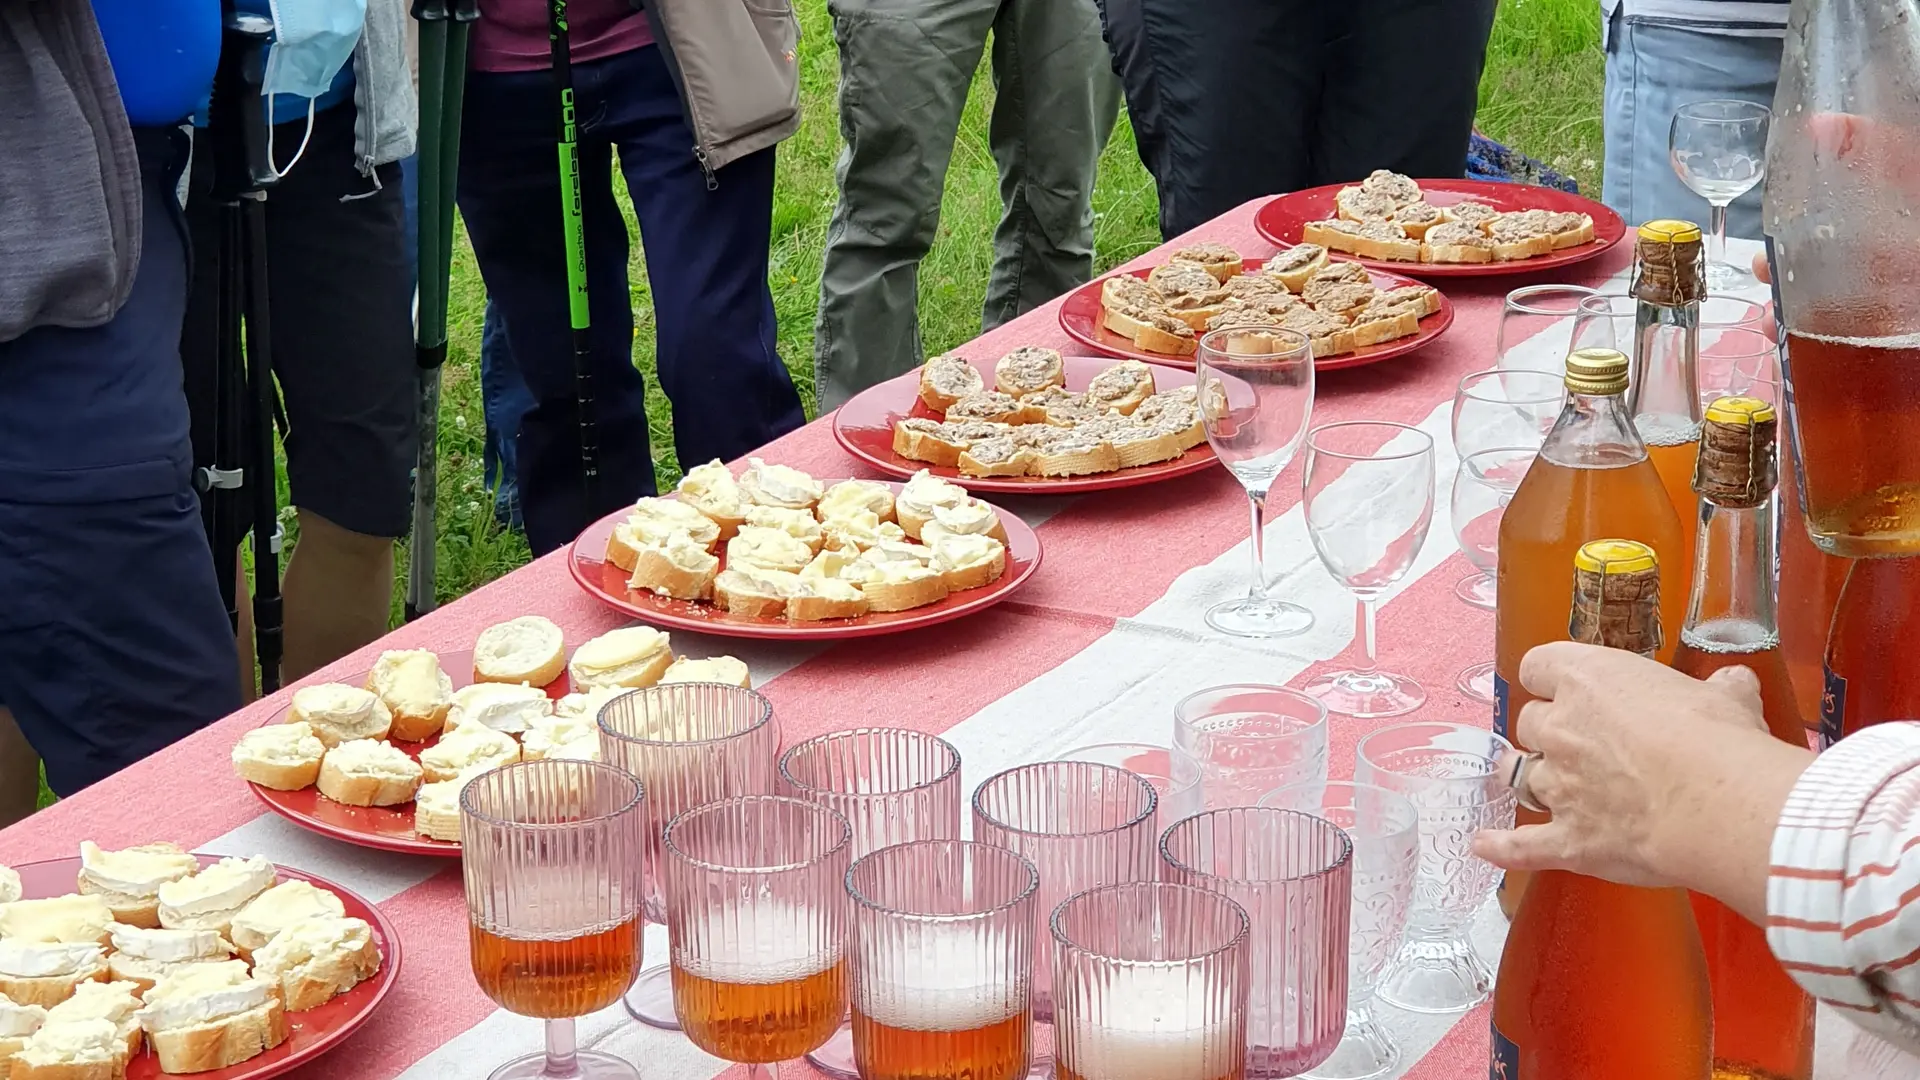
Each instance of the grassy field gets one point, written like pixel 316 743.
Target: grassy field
pixel 1541 94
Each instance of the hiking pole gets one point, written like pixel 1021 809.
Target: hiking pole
pixel 443 72
pixel 576 256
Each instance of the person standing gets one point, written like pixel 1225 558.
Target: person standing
pixel 694 95
pixel 113 641
pixel 1238 99
pixel 1662 54
pixel 905 66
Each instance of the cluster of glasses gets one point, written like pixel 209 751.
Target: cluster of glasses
pixel 1502 415
pixel 820 902
pixel 1367 496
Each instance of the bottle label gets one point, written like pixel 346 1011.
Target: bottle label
pixel 1833 708
pixel 1500 721
pixel 1504 1063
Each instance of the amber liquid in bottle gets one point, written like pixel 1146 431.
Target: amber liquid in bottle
pixel 1810 581
pixel 1872 674
pixel 1665 397
pixel 1602 981
pixel 1763 1021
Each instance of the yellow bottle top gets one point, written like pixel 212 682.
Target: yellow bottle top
pixel 1597 371
pixel 1670 231
pixel 1615 557
pixel 1745 411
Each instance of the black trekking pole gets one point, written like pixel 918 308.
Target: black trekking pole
pixel 577 310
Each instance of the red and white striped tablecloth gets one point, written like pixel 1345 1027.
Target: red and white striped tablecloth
pixel 1096 648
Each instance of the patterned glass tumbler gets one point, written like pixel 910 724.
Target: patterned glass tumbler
pixel 1151 983
pixel 1292 873
pixel 689 744
pixel 1249 739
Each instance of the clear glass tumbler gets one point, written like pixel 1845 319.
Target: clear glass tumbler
pixel 893 785
pixel 1291 872
pixel 1369 502
pixel 1385 830
pixel 757 927
pixel 1248 739
pixel 689 744
pixel 1174 774
pixel 1451 775
pixel 1255 389
pixel 1153 984
pixel 551 859
pixel 1729 359
pixel 942 961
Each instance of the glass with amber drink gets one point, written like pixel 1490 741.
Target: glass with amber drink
pixel 757 927
pixel 942 962
pixel 551 857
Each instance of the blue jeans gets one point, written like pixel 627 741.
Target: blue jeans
pixel 707 255
pixel 504 397
pixel 1654 66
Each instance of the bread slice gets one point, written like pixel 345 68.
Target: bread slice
pixel 1422 300
pixel 318 959
pixel 767 548
pixel 678 568
pixel 920 439
pixel 129 880
pixel 279 757
pixel 996 457
pixel 468 747
pixel 969 518
pixel 1383 327
pixel 415 690
pixel 114 1002
pixel 992 406
pixel 212 1017
pixel 211 898
pixel 17 1025
pixel 714 669
pixel 369 773
pixel 1220 260
pixel 1521 234
pixel 1570 230
pixel 712 490
pixel 337 713
pixel 754 591
pixel 1356 203
pixel 918 497
pixel 632 656
pixel 1027 370
pixel 1161 332
pixel 946 379
pixel 1415 218
pixel 436 806
pixel 284 905
pixel 1339 297
pixel 802 525
pixel 73 919
pixel 144 956
pixel 1295 265
pixel 1076 455
pixel 506 707
pixel 1456 242
pixel 1399 188
pixel 902 586
pixel 1467 212
pixel 1122 387
pixel 656 517
pixel 779 485
pixel 46 973
pixel 826 598
pixel 530 649
pixel 855 496
pixel 88 1049
pixel 969 562
pixel 860 531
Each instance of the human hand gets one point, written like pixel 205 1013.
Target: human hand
pixel 1646 771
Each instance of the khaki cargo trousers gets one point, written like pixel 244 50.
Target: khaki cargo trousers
pixel 905 66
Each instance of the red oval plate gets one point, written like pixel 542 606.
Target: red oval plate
pixel 1080 317
pixel 608 584
pixel 1281 219
pixel 310 1033
pixel 864 427
pixel 383 828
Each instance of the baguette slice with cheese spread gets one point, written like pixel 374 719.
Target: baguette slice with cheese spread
pixel 129 881
pixel 529 649
pixel 280 757
pixel 415 690
pixel 212 1017
pixel 632 656
pixel 318 959
pixel 284 905
pixel 209 899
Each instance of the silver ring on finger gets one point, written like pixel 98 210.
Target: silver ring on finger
pixel 1521 781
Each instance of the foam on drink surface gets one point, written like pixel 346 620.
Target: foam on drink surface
pixel 944 978
pixel 1151 1023
pixel 760 943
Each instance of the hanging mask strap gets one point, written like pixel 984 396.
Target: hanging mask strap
pixel 278 172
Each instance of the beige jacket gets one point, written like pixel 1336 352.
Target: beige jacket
pixel 737 67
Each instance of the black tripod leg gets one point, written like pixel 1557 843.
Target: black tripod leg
pixel 223 510
pixel 261 475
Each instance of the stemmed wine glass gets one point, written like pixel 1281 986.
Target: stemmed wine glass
pixel 1536 323
pixel 1256 396
pixel 1481 491
pixel 1499 407
pixel 1369 502
pixel 1719 150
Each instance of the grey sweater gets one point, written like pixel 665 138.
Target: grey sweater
pixel 69 174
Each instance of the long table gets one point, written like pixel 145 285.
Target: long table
pixel 1097 648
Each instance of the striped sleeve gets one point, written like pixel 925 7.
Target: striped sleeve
pixel 1843 894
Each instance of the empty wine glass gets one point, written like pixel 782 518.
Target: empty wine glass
pixel 1729 359
pixel 1247 739
pixel 1451 775
pixel 1368 502
pixel 1536 327
pixel 1174 774
pixel 1606 321
pixel 1481 491
pixel 1505 407
pixel 1726 312
pixel 1255 390
pixel 1719 150
pixel 1385 830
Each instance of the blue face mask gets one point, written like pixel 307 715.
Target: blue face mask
pixel 312 41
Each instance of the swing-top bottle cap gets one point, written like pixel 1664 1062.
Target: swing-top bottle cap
pixel 1740 411
pixel 1670 231
pixel 1615 557
pixel 1616 596
pixel 1597 371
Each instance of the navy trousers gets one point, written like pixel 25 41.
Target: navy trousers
pixel 707 253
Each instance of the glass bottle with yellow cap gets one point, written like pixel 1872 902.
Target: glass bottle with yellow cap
pixel 1763 1021
pixel 1600 980
pixel 1668 285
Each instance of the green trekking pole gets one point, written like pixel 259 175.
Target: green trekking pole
pixel 570 200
